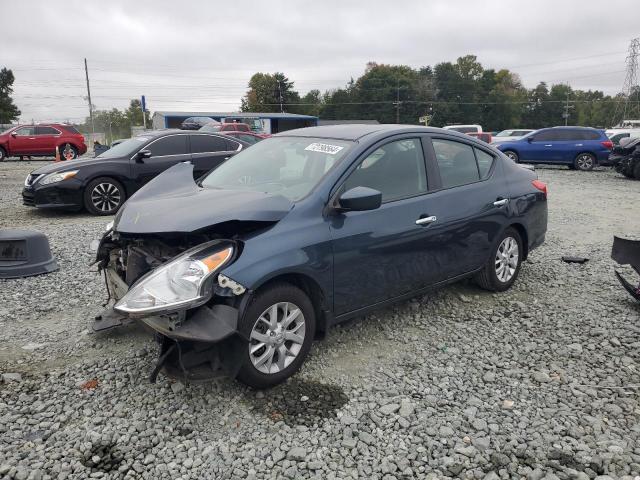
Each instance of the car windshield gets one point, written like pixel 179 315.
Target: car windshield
pixel 127 147
pixel 287 166
pixel 211 127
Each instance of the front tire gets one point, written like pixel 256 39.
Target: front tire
pixel 503 267
pixel 104 196
pixel 512 155
pixel 636 171
pixel 280 325
pixel 584 162
pixel 3 154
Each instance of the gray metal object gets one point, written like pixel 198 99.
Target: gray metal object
pixel 24 253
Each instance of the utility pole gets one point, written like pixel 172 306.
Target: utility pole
pixel 565 114
pixel 280 94
pixel 397 102
pixel 93 128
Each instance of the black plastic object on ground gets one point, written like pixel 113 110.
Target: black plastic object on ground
pixel 627 252
pixel 24 253
pixel 570 259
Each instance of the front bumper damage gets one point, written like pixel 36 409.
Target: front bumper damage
pixel 196 344
pixel 627 252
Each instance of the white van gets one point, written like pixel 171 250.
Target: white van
pixel 464 128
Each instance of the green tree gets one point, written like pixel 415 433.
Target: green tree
pixel 8 111
pixel 267 92
pixel 134 113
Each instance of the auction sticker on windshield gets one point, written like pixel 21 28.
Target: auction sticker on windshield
pixel 324 148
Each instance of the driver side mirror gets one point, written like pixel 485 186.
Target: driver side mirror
pixel 142 154
pixel 14 134
pixel 530 139
pixel 359 199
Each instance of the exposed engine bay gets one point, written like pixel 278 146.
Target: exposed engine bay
pixel 189 338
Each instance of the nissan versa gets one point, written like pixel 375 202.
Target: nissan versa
pixel 241 270
pixel 102 184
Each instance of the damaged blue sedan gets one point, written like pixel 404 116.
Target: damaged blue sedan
pixel 240 270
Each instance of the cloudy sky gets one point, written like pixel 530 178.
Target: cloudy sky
pixel 199 55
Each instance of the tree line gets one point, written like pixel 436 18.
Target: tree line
pixel 447 93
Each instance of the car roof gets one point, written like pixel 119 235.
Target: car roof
pixel 563 127
pixel 355 132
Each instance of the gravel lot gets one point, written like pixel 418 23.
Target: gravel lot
pixel 539 382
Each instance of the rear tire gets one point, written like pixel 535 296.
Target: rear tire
pixel 584 162
pixel 72 152
pixel 503 267
pixel 276 349
pixel 636 171
pixel 512 155
pixel 104 196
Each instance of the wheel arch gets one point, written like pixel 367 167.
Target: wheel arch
pixel 312 289
pixel 524 236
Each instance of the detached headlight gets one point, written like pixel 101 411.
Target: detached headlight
pixel 108 226
pixel 184 282
pixel 58 177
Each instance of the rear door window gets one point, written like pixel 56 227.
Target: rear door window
pixel 456 162
pixel 46 131
pixel 248 138
pixel 485 161
pixel 173 145
pixel 207 144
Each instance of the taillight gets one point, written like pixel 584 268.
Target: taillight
pixel 608 144
pixel 540 186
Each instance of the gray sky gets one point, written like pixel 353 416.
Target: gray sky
pixel 199 55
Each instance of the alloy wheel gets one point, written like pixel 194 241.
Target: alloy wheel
pixel 277 337
pixel 506 261
pixel 512 155
pixel 585 162
pixel 106 197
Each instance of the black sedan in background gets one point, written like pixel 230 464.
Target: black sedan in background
pixel 196 123
pixel 102 184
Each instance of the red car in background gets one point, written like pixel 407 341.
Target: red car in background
pixel 249 137
pixel 41 141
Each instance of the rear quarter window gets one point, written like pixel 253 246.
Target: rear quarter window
pixel 71 129
pixel 485 162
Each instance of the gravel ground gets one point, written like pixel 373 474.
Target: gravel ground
pixel 538 382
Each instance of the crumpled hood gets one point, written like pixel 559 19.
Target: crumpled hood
pixel 174 203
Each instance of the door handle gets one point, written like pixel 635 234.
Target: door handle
pixel 426 220
pixel 501 202
pixel 549 145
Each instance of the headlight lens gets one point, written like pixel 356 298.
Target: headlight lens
pixel 58 177
pixel 108 226
pixel 180 283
